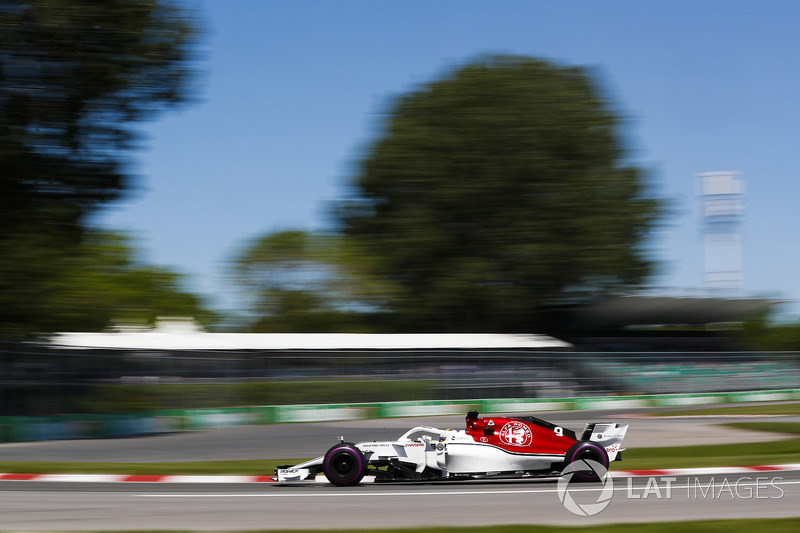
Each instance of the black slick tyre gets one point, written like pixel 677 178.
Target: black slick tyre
pixel 583 451
pixel 344 465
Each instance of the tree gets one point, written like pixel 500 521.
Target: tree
pixel 761 332
pixel 102 284
pixel 75 76
pixel 497 194
pixel 297 281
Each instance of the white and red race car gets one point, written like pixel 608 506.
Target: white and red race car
pixel 489 447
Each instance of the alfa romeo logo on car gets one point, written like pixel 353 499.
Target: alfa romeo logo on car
pixel 585 509
pixel 516 434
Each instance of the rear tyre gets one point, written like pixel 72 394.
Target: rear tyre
pixel 583 451
pixel 344 465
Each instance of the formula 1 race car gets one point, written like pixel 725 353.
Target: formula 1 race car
pixel 490 447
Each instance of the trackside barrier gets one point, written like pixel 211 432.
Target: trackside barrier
pixel 426 408
pixel 524 405
pixel 38 428
pixel 323 412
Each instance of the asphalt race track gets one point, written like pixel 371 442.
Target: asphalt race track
pixel 30 505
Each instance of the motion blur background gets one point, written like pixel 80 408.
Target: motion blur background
pixel 571 172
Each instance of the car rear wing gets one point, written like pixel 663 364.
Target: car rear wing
pixel 608 435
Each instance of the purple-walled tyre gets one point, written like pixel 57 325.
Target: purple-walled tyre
pixel 583 451
pixel 344 465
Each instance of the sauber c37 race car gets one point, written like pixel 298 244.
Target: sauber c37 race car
pixel 489 447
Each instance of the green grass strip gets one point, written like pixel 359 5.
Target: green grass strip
pixel 771 409
pixel 734 454
pixel 790 428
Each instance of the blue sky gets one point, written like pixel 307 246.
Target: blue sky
pixel 292 90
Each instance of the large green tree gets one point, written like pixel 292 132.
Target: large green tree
pixel 500 193
pixel 75 77
pixel 104 284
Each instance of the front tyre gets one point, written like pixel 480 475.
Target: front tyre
pixel 344 465
pixel 583 451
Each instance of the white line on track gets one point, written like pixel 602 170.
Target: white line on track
pixel 440 493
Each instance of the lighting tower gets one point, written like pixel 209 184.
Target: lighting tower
pixel 721 197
